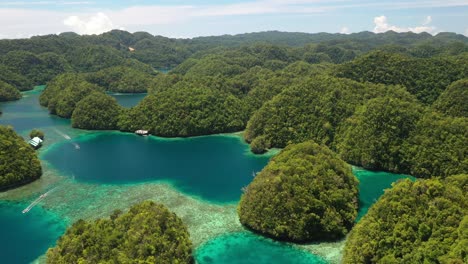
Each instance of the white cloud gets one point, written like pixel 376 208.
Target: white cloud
pixel 382 25
pixel 427 21
pixel 96 24
pixel 26 20
pixel 466 32
pixel 345 30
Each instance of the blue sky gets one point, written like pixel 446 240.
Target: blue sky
pixel 179 18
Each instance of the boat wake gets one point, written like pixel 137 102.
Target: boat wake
pixel 62 134
pixel 38 200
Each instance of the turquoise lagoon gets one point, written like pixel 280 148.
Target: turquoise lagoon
pixel 198 178
pixel 214 168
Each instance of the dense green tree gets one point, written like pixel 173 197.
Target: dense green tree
pixel 311 109
pixel 260 145
pixel 202 111
pixel 425 78
pixel 36 133
pixel 94 58
pixel 122 79
pixel 97 111
pixel 164 82
pixel 39 69
pixel 52 65
pixel 147 233
pixel 453 101
pixel 414 222
pixel 437 146
pixel 16 80
pixel 64 92
pixel 374 135
pixel 18 161
pixel 304 193
pixel 8 92
pixel 213 65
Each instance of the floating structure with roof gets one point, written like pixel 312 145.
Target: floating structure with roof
pixel 35 142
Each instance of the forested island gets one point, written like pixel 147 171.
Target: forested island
pixel 306 193
pixel 414 222
pixel 19 163
pixel 147 233
pixel 391 102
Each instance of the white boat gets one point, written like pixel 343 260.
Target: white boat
pixel 142 132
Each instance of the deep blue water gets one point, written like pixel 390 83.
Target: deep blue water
pixel 214 168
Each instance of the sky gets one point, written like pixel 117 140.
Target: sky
pixel 186 19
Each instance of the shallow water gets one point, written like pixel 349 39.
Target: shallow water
pixel 24 237
pixel 214 168
pixel 246 248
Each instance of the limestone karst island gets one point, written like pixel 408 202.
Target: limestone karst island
pixel 234 132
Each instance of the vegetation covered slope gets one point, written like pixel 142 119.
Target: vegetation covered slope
pixel 374 135
pixel 437 146
pixel 18 161
pixel 15 79
pixel 311 109
pixel 147 233
pixel 64 92
pixel 97 111
pixel 36 68
pixel 453 101
pixel 8 92
pixel 424 78
pixel 122 79
pixel 186 112
pixel 414 222
pixel 304 193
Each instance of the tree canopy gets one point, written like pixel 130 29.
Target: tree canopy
pixel 18 161
pixel 38 69
pixel 305 193
pixel 310 109
pixel 8 92
pixel 64 92
pixel 36 133
pixel 202 111
pixel 122 79
pixel 15 79
pixel 437 146
pixel 374 135
pixel 97 111
pixel 424 78
pixel 414 222
pixel 453 101
pixel 147 233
